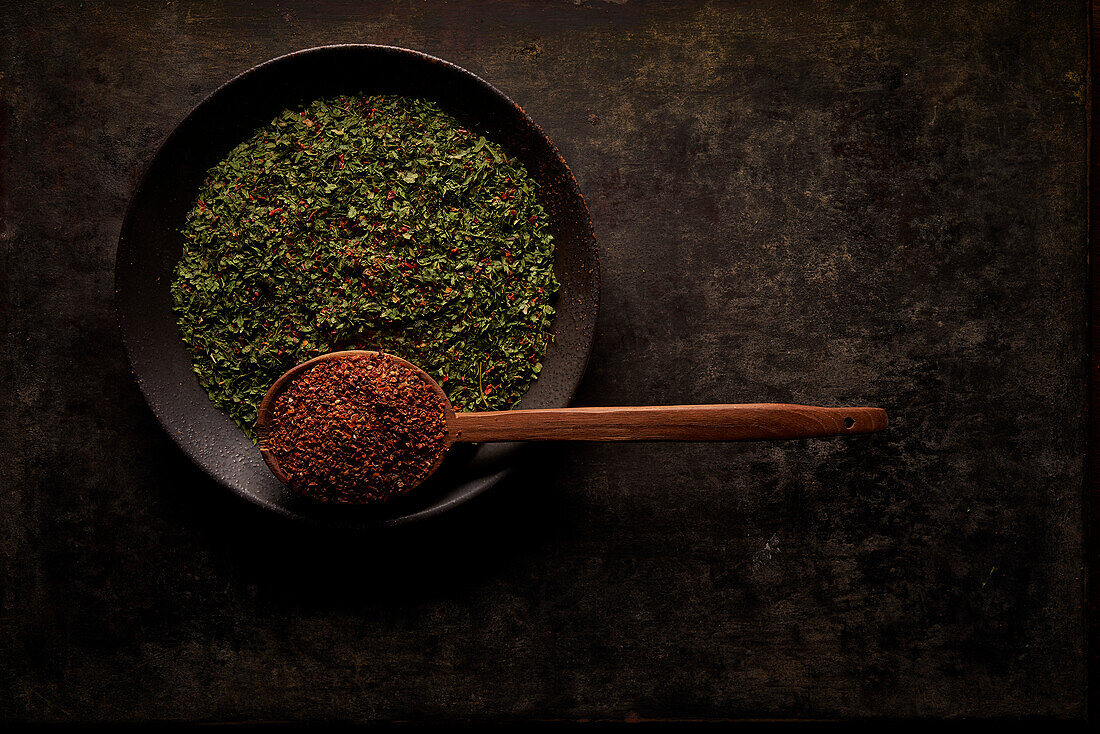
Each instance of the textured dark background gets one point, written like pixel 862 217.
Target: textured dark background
pixel 863 203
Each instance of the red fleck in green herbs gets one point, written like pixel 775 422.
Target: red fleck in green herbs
pixel 375 223
pixel 357 430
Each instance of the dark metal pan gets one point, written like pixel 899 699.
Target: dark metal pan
pixel 150 245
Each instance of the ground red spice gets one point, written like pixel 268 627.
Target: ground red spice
pixel 357 429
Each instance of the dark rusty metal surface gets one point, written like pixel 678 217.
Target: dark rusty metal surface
pixel 872 203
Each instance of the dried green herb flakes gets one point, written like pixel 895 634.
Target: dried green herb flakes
pixel 366 223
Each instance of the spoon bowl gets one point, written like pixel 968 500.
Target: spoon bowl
pixel 266 414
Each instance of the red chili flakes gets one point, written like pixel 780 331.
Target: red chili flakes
pixel 357 430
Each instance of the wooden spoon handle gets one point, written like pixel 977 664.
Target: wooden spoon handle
pixel 667 423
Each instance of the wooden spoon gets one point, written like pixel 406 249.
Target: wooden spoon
pixel 737 422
